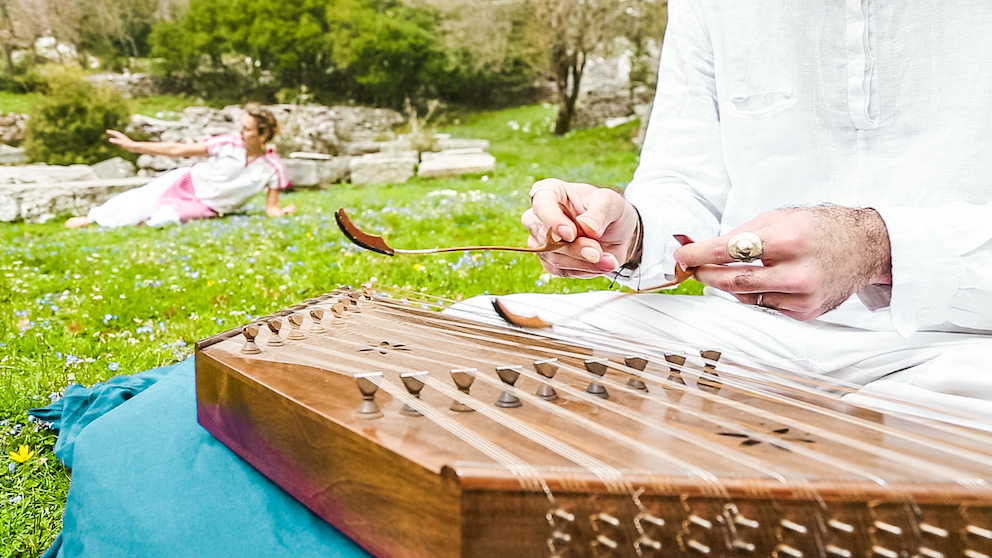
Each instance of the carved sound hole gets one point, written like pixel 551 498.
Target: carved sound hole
pixel 385 347
pixel 784 433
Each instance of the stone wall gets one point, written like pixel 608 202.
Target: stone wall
pixel 13 126
pixel 39 192
pixel 130 85
pixel 311 128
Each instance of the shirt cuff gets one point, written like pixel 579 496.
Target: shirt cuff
pixel 926 269
pixel 657 264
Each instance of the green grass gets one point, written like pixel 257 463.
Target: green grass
pixel 159 106
pixel 85 305
pixel 18 102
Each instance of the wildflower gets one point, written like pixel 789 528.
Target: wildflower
pixel 15 499
pixel 113 366
pixel 22 454
pixel 71 359
pixel 143 329
pixel 11 467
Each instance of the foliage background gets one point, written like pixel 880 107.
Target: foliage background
pixel 85 305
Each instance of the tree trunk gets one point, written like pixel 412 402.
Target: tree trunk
pixel 568 93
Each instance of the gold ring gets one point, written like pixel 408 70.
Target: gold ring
pixel 744 247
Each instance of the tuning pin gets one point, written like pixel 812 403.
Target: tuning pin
pixel 368 409
pixel 368 290
pixel 546 368
pixel 463 378
pixel 250 332
pixel 295 322
pixel 339 310
pixel 317 314
pixel 638 363
pixel 414 382
pixel 509 375
pixel 354 301
pixel 709 380
pixel 597 367
pixel 675 372
pixel 274 339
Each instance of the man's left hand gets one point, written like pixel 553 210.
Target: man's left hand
pixel 814 258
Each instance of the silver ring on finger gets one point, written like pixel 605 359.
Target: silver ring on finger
pixel 745 247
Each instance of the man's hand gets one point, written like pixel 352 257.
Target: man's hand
pixel 814 259
pixel 598 224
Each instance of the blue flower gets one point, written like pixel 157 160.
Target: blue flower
pixel 71 359
pixel 195 275
pixel 251 260
pixel 11 467
pixel 113 366
pixel 143 329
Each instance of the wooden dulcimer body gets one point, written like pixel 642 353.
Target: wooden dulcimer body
pixel 421 435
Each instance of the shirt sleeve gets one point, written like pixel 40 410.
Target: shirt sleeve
pixel 219 146
pixel 280 177
pixel 941 266
pixel 680 185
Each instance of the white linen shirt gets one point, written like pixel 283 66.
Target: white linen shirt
pixel 861 103
pixel 226 180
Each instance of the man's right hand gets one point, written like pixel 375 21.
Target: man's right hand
pixel 598 223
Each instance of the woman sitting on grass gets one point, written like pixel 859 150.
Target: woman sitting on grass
pixel 238 168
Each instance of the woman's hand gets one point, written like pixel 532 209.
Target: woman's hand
pixel 276 211
pixel 814 259
pixel 598 224
pixel 119 138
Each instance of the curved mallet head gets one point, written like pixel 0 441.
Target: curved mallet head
pixel 359 237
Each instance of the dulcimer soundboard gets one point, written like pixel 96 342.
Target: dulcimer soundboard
pixel 419 434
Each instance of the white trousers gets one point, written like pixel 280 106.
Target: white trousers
pixel 138 205
pixel 932 370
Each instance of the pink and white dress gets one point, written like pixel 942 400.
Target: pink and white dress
pixel 217 186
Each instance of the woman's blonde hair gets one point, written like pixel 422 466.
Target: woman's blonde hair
pixel 268 126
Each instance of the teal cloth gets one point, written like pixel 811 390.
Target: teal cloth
pixel 148 481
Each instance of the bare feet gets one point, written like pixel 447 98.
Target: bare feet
pixel 77 222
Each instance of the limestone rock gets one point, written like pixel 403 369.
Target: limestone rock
pixel 13 127
pixel 114 168
pixel 40 202
pixel 12 155
pixel 446 144
pixel 45 174
pixel 311 172
pixel 309 156
pixel 381 170
pixel 457 164
pixel 428 155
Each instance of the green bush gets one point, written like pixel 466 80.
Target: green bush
pixel 371 51
pixel 68 126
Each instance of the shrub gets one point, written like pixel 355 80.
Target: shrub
pixel 68 126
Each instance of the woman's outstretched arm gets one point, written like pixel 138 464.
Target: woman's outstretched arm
pixel 167 148
pixel 272 208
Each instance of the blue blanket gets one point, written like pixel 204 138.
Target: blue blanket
pixel 148 481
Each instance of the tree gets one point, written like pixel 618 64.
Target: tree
pixel 569 31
